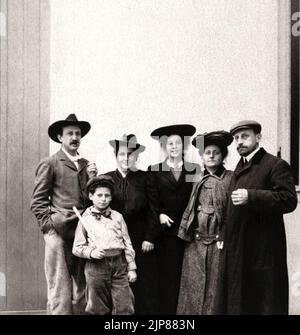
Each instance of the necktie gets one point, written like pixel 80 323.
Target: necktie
pixel 244 162
pixel 98 215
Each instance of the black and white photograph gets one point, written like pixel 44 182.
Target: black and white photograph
pixel 149 159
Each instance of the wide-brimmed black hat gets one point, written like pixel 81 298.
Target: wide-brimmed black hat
pixel 219 137
pixel 101 180
pixel 176 129
pixel 56 127
pixel 246 124
pixel 128 140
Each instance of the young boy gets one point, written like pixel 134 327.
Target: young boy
pixel 102 238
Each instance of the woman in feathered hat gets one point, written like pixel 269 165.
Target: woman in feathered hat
pixel 173 178
pixel 202 226
pixel 135 198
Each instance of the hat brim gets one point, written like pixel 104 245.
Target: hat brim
pixel 219 137
pixel 57 126
pixel 179 129
pixel 134 146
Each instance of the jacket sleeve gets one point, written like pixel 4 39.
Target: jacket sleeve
pixel 281 198
pixel 153 170
pixel 153 228
pixel 184 230
pixel 40 201
pixel 129 251
pixel 81 247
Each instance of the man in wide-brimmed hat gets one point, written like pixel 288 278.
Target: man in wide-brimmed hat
pixel 60 184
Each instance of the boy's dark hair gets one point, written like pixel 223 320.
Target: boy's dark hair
pixel 92 189
pixel 100 181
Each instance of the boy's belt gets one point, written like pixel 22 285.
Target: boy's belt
pixel 113 252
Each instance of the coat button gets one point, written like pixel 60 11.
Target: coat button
pixel 197 236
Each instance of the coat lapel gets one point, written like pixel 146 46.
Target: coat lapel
pixel 168 173
pixel 82 163
pixel 189 214
pixel 172 178
pixel 240 169
pixel 182 177
pixel 67 162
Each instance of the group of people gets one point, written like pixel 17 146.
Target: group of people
pixel 175 239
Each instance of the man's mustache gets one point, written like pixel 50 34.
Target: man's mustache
pixel 74 142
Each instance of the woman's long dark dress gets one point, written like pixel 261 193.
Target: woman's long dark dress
pixel 135 197
pixel 173 195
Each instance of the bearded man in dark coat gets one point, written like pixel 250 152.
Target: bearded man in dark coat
pixel 262 190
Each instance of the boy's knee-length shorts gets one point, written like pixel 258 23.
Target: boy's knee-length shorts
pixel 107 286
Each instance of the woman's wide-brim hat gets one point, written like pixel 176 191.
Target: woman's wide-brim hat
pixel 177 129
pixel 219 137
pixel 56 127
pixel 130 141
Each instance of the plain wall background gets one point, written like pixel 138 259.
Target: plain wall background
pixel 130 66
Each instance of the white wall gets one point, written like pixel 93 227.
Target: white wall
pixel 131 66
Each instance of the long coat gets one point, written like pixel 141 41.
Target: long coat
pixel 202 276
pixel 174 195
pixel 58 187
pixel 257 277
pixel 220 197
pixel 173 198
pixel 135 197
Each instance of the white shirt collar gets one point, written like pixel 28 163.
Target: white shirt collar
pixel 122 173
pixel 74 159
pixel 250 156
pixel 172 165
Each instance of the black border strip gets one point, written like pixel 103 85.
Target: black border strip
pixel 294 151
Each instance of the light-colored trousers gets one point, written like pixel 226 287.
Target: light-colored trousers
pixel 64 275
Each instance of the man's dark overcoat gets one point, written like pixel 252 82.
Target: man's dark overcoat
pixel 255 244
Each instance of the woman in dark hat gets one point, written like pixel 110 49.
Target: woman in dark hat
pixel 173 178
pixel 202 226
pixel 135 198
